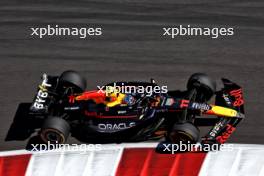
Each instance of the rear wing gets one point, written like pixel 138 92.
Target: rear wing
pixel 42 99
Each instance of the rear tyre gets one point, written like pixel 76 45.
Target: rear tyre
pixel 185 133
pixel 205 87
pixel 55 130
pixel 72 79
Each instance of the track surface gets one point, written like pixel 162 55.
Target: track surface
pixel 132 48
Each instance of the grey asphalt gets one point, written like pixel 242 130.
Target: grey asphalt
pixel 132 48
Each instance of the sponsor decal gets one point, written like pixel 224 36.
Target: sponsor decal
pixel 200 106
pixel 227 99
pixel 169 102
pixel 115 126
pixel 121 112
pixel 71 99
pixel 216 129
pixel 184 103
pixel 229 130
pixel 42 93
pixel 87 113
pixel 238 97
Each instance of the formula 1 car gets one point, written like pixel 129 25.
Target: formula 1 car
pixel 62 107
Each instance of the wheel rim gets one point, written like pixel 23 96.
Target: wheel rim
pixel 52 136
pixel 182 136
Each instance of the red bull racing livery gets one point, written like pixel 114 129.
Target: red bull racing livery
pixel 62 107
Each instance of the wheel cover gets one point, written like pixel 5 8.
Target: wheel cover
pixel 177 136
pixel 52 136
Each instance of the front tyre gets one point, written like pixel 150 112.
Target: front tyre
pixel 55 130
pixel 204 86
pixel 184 132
